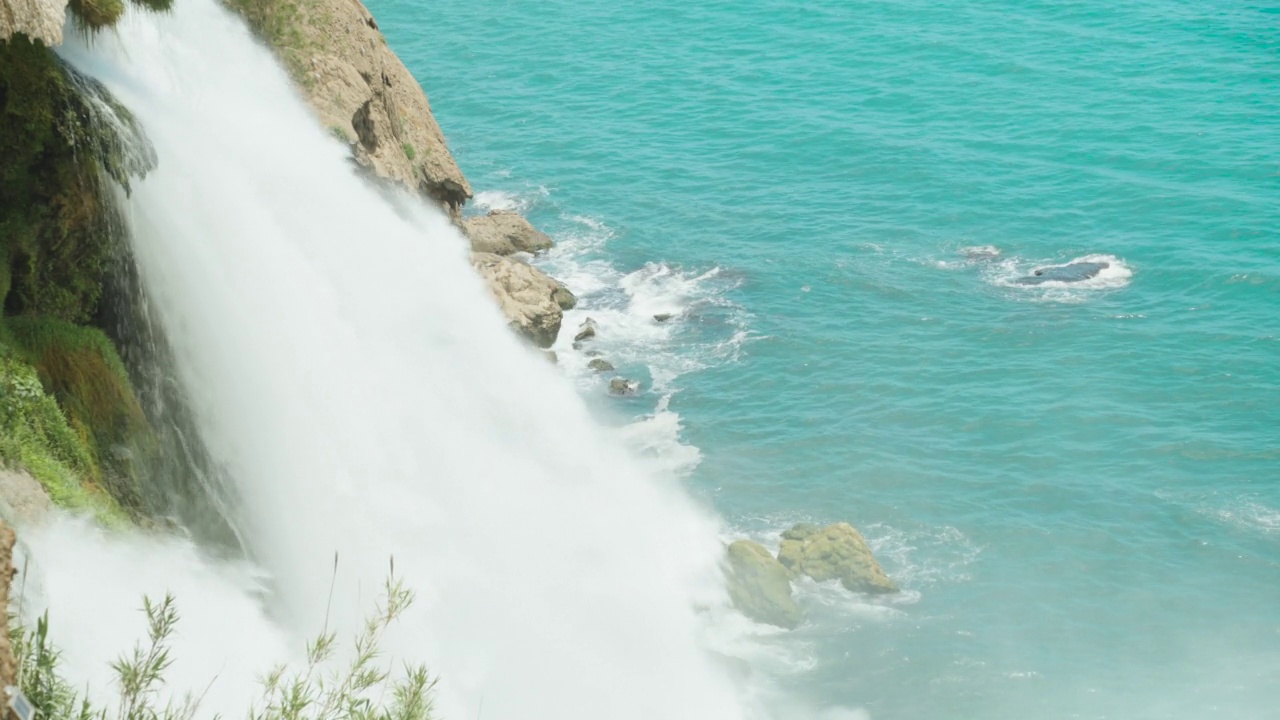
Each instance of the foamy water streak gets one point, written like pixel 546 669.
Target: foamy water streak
pixel 351 373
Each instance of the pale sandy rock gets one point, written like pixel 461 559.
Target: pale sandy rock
pixel 37 19
pixel 23 499
pixel 503 232
pixel 526 295
pixel 759 586
pixel 361 91
pixel 835 552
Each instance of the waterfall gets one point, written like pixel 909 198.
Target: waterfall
pixel 348 370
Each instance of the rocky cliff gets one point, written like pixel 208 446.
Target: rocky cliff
pixel 364 95
pixel 37 19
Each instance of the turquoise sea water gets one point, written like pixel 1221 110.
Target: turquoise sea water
pixel 1079 487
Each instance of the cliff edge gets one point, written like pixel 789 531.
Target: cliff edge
pixel 361 91
pixel 37 19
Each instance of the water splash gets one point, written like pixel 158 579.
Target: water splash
pixel 352 376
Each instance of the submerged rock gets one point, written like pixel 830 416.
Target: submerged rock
pixel 759 586
pixel 662 317
pixel 1069 273
pixel 503 232
pixel 623 386
pixel 600 365
pixel 526 295
pixel 835 552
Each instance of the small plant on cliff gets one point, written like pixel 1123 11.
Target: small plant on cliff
pixel 409 152
pixel 353 692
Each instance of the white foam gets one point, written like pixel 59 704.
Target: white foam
pixel 92 584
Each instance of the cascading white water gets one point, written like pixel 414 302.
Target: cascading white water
pixel 350 371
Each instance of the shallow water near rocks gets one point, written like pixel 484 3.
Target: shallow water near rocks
pixel 1078 485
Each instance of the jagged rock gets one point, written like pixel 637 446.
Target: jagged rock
pixel 503 232
pixel 662 317
pixel 623 386
pixel 525 294
pixel 360 90
pixel 760 587
pixel 37 19
pixel 600 365
pixel 835 552
pixel 586 331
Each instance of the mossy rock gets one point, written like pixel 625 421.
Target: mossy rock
pixel 834 552
pixel 96 14
pixel 79 367
pixel 759 586
pixel 63 138
pixel 35 436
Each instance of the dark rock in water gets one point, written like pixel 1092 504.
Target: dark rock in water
pixel 600 365
pixel 586 331
pixel 551 356
pixel 662 317
pixel 622 386
pixel 564 298
pixel 1069 273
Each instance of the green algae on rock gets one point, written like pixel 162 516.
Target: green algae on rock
pixel 79 368
pixel 835 552
pixel 759 586
pixel 62 139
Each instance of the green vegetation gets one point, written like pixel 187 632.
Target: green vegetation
pixel 355 691
pixel 95 15
pixel 35 434
pixel 409 152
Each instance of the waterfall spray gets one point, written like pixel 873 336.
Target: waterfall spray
pixel 347 369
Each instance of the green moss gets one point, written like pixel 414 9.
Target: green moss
pixel 409 152
pixel 35 435
pixel 62 137
pixel 96 14
pixel 79 367
pixel 155 5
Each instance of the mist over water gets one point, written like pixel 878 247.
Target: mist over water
pixel 348 371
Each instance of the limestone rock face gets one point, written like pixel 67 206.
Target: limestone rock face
pixel 760 587
pixel 23 499
pixel 526 295
pixel 502 232
pixel 361 91
pixel 37 19
pixel 835 552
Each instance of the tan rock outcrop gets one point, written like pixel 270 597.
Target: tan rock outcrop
pixel 361 91
pixel 8 667
pixel 503 232
pixel 759 586
pixel 532 302
pixel 37 19
pixel 23 500
pixel 835 552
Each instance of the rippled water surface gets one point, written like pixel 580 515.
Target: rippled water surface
pixel 1078 485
